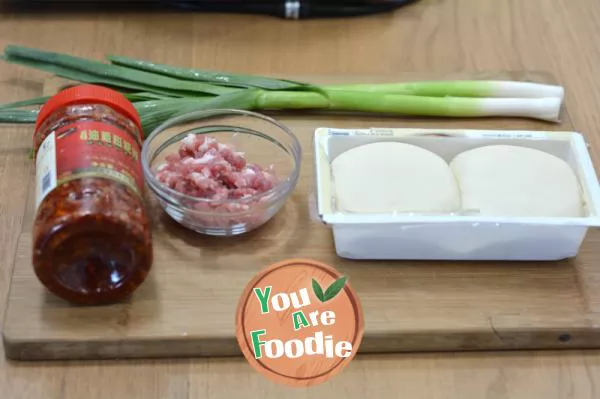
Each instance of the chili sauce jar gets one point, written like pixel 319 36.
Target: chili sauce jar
pixel 91 237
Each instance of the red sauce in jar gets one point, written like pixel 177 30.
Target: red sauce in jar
pixel 91 237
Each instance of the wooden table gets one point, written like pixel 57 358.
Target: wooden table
pixel 555 35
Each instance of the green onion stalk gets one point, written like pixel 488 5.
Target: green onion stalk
pixel 160 92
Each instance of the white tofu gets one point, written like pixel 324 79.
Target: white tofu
pixel 393 177
pixel 504 180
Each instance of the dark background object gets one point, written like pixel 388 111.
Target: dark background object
pixel 291 9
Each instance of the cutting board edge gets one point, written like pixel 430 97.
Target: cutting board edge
pixel 490 340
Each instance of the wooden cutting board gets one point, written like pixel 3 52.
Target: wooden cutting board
pixel 187 306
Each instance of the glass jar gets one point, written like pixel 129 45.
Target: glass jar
pixel 91 237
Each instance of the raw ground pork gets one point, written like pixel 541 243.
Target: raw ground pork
pixel 205 168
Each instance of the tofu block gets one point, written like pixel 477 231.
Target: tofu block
pixel 393 177
pixel 505 180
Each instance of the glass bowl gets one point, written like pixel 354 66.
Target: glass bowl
pixel 263 142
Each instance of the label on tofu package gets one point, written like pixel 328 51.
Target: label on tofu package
pixel 87 149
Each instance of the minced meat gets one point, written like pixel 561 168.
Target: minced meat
pixel 205 168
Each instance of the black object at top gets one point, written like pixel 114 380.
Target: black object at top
pixel 289 9
pixel 292 9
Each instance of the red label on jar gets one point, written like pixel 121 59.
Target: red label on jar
pixel 83 149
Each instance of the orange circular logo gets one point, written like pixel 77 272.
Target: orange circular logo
pixel 299 322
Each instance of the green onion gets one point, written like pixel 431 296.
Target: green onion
pixel 458 88
pixel 219 78
pixel 160 92
pixel 85 77
pixel 547 109
pixel 281 100
pixel 113 71
pixel 142 96
pixel 18 116
pixel 153 113
pixel 26 103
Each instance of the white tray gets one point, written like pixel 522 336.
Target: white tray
pixel 455 237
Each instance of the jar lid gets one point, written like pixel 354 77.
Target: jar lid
pixel 90 94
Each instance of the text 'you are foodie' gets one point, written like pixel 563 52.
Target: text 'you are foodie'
pixel 299 322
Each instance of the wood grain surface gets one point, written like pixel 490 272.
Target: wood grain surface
pixel 431 36
pixel 187 306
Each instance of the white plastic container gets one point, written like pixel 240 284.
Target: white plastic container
pixel 455 237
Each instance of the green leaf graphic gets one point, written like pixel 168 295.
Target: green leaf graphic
pixel 334 288
pixel 317 290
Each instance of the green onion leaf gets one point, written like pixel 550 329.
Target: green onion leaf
pixel 85 77
pixel 18 116
pixel 143 96
pixel 219 78
pixel 114 71
pixel 25 103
